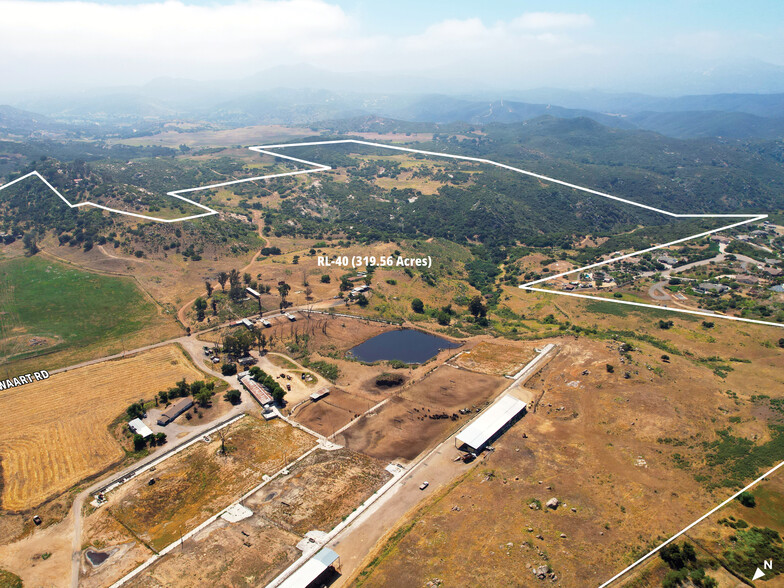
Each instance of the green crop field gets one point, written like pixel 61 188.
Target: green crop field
pixel 69 314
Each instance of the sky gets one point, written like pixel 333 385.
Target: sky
pixel 663 46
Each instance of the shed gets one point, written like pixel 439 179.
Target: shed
pixel 311 570
pixel 138 427
pixel 490 422
pixel 259 392
pixel 319 394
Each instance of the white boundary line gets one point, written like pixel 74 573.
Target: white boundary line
pixel 176 193
pixel 317 167
pixel 685 529
pixel 748 218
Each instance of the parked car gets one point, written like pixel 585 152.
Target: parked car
pixel 424 485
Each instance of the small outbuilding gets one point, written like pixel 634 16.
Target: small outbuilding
pixel 138 427
pixel 319 394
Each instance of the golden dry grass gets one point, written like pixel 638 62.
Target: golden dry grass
pixel 55 432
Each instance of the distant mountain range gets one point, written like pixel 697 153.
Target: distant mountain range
pixel 265 99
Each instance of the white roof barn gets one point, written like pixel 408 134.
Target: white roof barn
pixel 138 427
pixel 491 421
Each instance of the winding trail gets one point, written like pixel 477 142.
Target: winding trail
pixel 182 313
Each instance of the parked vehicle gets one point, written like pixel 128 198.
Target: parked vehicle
pixel 424 485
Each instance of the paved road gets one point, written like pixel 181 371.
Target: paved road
pixel 119 355
pixel 657 292
pixel 438 468
pixel 194 349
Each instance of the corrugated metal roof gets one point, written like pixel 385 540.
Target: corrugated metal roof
pixel 491 421
pixel 140 428
pixel 258 391
pixel 326 556
pixel 176 409
pixel 311 569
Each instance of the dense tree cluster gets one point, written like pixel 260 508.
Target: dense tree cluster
pixel 276 390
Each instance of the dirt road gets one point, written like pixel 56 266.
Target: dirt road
pixel 193 348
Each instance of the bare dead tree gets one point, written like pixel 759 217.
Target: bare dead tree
pixel 222 435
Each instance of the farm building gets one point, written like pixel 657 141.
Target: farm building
pixel 490 422
pixel 312 570
pixel 747 279
pixel 259 392
pixel 138 427
pixel 319 394
pixel 253 293
pixel 667 260
pixel 174 411
pixel 706 287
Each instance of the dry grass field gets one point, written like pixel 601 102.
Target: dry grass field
pixel 727 543
pixel 496 359
pixel 636 457
pixel 200 481
pixel 54 433
pixel 318 493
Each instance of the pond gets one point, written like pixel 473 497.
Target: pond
pixel 96 558
pixel 406 345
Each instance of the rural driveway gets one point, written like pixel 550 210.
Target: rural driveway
pixel 438 468
pixel 194 349
pixel 656 291
pixel 358 540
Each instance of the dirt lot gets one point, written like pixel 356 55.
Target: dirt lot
pixel 249 553
pixel 189 488
pixel 405 426
pixel 449 389
pixel 317 494
pixel 320 491
pixel 332 412
pixel 497 359
pixel 46 449
pixel 622 452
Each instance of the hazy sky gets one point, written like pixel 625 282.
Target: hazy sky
pixel 612 44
